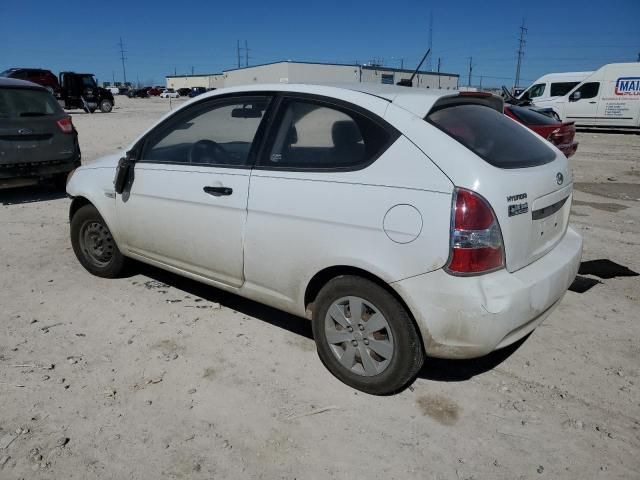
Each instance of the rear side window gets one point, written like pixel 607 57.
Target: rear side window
pixel 16 102
pixel 531 117
pixel 321 136
pixel 491 135
pixel 560 89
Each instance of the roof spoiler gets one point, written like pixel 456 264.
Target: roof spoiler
pixel 481 98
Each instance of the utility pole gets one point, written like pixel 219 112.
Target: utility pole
pixel 480 82
pixel 523 32
pixel 430 66
pixel 402 64
pixel 246 54
pixel 470 70
pixel 192 70
pixel 238 51
pixel 122 52
pixel 113 76
pixel 439 72
pixel 175 71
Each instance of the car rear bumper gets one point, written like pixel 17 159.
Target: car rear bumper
pixel 467 317
pixel 38 169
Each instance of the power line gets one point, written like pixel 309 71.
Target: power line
pixel 122 57
pixel 523 32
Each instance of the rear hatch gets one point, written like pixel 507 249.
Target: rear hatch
pixel 29 132
pixel 524 178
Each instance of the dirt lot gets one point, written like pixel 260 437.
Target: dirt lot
pixel 154 376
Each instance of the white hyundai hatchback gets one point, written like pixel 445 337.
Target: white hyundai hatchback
pixel 404 223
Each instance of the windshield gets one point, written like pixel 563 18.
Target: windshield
pixel 6 73
pixel 491 135
pixel 19 102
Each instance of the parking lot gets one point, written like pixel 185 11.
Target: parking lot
pixel 154 375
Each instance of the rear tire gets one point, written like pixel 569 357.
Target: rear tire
pixel 94 245
pixel 377 347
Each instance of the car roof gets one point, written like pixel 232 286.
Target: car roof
pixel 418 101
pixel 14 69
pixel 15 83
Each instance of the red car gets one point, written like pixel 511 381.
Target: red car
pixel 154 91
pixel 35 75
pixel 561 134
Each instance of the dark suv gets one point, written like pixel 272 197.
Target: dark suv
pixel 195 91
pixel 35 75
pixel 37 138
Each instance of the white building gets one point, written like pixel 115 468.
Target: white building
pixel 308 72
pixel 206 80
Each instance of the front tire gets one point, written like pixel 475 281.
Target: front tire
pixel 365 336
pixel 94 245
pixel 106 106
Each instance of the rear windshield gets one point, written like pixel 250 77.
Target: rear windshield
pixel 22 102
pixel 491 135
pixel 531 117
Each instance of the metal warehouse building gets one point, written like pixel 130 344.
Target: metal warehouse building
pixel 307 72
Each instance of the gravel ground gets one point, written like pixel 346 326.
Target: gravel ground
pixel 154 376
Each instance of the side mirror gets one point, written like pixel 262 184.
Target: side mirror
pixel 575 96
pixel 122 172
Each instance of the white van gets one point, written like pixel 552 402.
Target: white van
pixel 609 97
pixel 551 86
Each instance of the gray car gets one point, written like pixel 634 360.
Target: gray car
pixel 37 138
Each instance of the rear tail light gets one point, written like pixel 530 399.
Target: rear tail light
pixel 65 125
pixel 556 136
pixel 476 239
pixel 553 134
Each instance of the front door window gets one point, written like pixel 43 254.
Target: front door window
pixel 219 135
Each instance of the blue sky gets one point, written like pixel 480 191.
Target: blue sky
pixel 161 36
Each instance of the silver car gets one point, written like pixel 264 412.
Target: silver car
pixel 37 138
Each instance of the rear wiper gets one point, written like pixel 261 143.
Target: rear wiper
pixel 32 114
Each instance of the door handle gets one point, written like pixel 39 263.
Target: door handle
pixel 218 191
pixel 592 102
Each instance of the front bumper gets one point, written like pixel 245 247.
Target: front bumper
pixel 467 317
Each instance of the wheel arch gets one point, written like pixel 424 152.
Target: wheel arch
pixel 321 278
pixel 76 204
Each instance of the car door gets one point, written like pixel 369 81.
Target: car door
pixel 320 193
pixel 583 110
pixel 187 203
